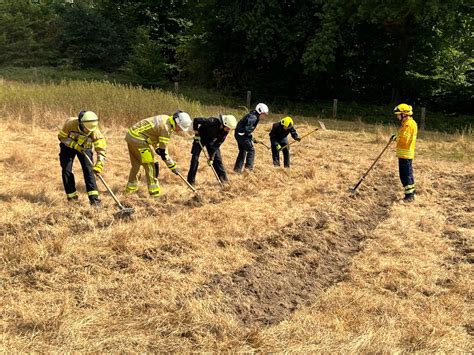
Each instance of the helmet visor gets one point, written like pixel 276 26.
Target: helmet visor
pixel 91 126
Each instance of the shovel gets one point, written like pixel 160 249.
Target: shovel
pixel 124 212
pixel 353 189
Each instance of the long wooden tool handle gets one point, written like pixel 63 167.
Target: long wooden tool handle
pixel 105 184
pixel 307 134
pixel 373 164
pixel 212 167
pixel 187 183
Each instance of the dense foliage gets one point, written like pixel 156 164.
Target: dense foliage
pixel 381 51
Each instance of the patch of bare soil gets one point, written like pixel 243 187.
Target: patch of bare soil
pixel 291 268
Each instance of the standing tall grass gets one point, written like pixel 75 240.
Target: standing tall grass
pixel 116 104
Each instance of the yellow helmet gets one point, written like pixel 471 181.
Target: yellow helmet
pixel 287 122
pixel 403 108
pixel 88 120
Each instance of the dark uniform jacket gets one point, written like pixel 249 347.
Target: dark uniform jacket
pixel 247 125
pixel 277 132
pixel 211 132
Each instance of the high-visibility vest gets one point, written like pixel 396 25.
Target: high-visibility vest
pixel 406 139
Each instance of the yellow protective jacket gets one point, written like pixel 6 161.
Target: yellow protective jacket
pixel 406 139
pixel 155 131
pixel 72 133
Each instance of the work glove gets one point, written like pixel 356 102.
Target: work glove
pixel 77 147
pixel 393 137
pixel 197 139
pixel 278 147
pixel 297 139
pixel 98 167
pixel 174 168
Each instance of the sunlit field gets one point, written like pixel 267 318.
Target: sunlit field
pixel 279 260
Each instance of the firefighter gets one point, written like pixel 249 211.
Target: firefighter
pixel 210 133
pixel 243 135
pixel 77 137
pixel 150 134
pixel 406 139
pixel 279 140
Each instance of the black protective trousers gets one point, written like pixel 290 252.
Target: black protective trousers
pixel 276 153
pixel 405 169
pixel 217 163
pixel 66 158
pixel 246 153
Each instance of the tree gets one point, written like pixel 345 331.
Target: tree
pixel 27 32
pixel 146 61
pixel 412 28
pixel 91 40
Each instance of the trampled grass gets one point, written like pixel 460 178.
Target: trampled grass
pixel 281 260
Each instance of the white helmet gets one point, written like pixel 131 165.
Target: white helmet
pixel 89 120
pixel 229 121
pixel 261 108
pixel 183 120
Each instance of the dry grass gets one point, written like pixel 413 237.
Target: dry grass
pixel 282 260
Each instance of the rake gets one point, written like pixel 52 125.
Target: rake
pixel 212 167
pixel 322 127
pixel 353 189
pixel 124 212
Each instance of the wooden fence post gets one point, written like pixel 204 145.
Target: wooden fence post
pixel 423 120
pixel 176 87
pixel 334 108
pixel 249 99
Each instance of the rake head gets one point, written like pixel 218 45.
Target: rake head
pixel 353 191
pixel 322 125
pixel 124 213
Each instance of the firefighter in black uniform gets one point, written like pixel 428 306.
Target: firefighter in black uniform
pixel 210 133
pixel 243 135
pixel 279 140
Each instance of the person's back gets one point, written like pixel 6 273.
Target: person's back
pixel 247 124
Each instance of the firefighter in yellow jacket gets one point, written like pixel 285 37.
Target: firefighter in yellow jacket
pixel 150 134
pixel 77 137
pixel 406 139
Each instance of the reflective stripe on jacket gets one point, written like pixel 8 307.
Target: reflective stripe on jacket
pixel 406 139
pixel 155 131
pixel 71 133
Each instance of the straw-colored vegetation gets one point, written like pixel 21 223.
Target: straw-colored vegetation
pixel 281 260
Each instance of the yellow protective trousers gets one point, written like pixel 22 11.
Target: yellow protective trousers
pixel 142 155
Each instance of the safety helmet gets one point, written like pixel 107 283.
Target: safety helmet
pixel 229 121
pixel 183 120
pixel 287 122
pixel 261 108
pixel 403 108
pixel 88 120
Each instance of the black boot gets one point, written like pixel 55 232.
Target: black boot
pixel 94 201
pixel 409 198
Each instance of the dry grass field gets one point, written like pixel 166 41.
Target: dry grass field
pixel 280 260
